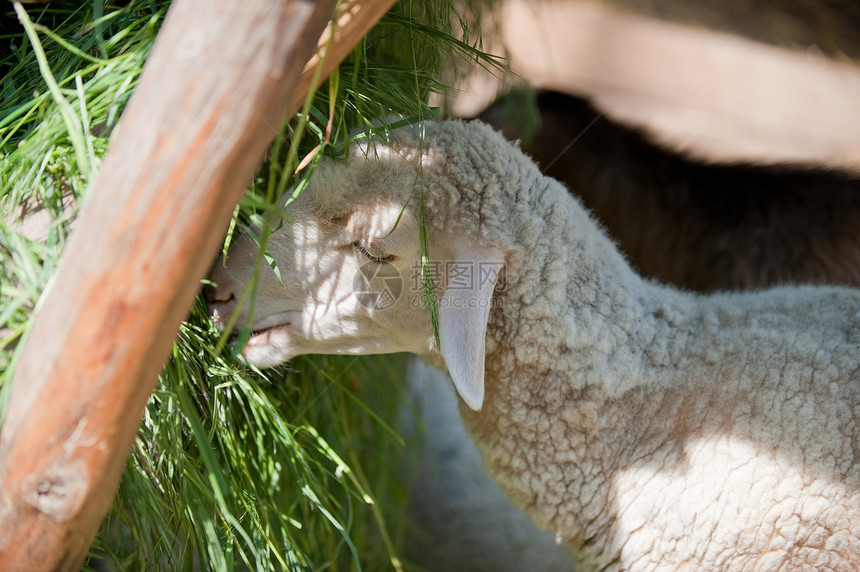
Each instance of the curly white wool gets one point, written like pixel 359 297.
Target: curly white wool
pixel 651 429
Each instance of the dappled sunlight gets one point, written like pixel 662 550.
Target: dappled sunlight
pixel 331 265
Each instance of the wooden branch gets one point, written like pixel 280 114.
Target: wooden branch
pixel 209 102
pixel 353 21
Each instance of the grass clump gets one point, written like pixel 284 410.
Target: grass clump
pixel 272 470
pixel 294 467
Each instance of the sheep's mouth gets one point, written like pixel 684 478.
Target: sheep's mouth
pixel 264 336
pixel 265 328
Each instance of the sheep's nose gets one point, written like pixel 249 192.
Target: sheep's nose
pixel 221 302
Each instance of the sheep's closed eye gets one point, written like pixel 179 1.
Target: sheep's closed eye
pixel 373 253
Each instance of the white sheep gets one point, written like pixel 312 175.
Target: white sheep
pixel 647 427
pixel 696 226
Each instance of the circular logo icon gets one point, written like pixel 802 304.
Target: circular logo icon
pixel 377 285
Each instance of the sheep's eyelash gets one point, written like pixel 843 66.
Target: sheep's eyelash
pixel 362 246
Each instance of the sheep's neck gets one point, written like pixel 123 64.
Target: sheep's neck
pixel 609 400
pixel 562 368
pixel 562 373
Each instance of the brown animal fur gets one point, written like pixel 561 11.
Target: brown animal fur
pixel 701 227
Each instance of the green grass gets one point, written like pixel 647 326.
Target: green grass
pixel 276 469
pixel 297 467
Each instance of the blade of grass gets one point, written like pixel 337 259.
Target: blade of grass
pixel 73 124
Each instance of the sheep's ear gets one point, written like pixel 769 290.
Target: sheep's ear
pixel 463 313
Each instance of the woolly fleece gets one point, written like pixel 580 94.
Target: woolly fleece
pixel 651 429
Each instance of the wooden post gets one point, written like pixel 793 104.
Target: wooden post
pixel 209 102
pixel 353 20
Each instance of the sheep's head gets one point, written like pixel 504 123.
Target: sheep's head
pixel 346 275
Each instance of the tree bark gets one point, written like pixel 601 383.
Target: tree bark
pixel 210 100
pixel 353 21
